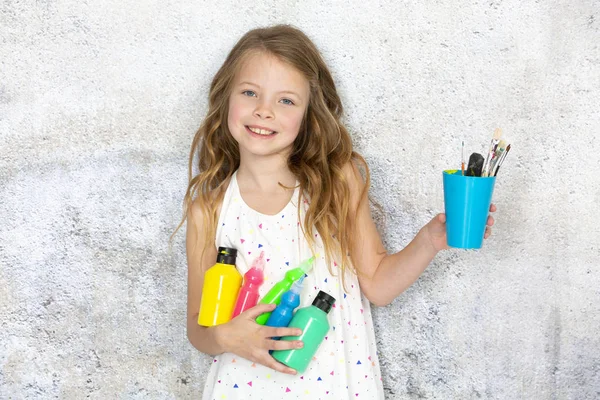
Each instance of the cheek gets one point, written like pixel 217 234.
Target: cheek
pixel 294 121
pixel 233 114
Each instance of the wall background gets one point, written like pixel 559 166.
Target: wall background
pixel 98 105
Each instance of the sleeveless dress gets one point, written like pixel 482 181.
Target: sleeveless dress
pixel 346 364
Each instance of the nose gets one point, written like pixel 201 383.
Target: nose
pixel 263 110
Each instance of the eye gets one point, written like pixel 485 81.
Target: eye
pixel 287 102
pixel 249 93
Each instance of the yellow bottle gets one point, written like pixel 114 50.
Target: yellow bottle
pixel 222 283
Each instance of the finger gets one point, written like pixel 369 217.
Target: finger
pixel 488 232
pixel 277 366
pixel 490 221
pixel 493 207
pixel 441 217
pixel 279 332
pixel 258 309
pixel 284 344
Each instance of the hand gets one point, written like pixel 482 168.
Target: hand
pixel 436 230
pixel 244 337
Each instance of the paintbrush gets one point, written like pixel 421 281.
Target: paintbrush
pixel 493 144
pixel 501 160
pixel 462 158
pixel 497 154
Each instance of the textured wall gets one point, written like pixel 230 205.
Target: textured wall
pixel 98 104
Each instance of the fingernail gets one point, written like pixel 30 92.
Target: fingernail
pixel 299 344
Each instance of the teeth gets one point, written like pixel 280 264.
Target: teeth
pixel 261 131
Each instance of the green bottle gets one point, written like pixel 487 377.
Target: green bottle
pixel 274 295
pixel 312 320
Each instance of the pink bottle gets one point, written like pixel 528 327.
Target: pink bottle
pixel 248 296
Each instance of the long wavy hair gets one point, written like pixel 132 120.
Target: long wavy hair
pixel 321 150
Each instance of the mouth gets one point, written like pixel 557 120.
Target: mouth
pixel 260 131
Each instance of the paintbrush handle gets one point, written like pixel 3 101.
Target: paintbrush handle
pixel 485 172
pixel 494 163
pixel 501 160
pixel 486 165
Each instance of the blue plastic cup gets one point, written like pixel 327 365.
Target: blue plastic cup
pixel 467 202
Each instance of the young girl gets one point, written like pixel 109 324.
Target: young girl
pixel 277 174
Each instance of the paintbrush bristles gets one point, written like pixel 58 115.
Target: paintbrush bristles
pixel 499 163
pixel 500 148
pixel 490 155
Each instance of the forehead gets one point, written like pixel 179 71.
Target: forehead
pixel 265 69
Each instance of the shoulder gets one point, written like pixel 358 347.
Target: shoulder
pixel 199 213
pixel 351 169
pixel 357 184
pixel 213 199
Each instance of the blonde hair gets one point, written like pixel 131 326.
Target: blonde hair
pixel 320 152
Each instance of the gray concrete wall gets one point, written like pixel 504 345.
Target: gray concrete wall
pixel 98 105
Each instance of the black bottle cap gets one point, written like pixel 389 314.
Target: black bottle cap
pixel 475 165
pixel 323 301
pixel 227 255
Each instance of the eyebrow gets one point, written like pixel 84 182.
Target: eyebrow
pixel 281 92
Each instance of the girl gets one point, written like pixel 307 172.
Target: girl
pixel 277 173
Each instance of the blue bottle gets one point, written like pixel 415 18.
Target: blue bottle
pixel 282 315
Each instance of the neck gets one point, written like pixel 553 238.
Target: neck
pixel 266 173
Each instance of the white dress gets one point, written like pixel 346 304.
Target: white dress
pixel 346 364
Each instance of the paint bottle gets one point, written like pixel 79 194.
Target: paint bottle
pixel 253 278
pixel 312 320
pixel 222 283
pixel 273 296
pixel 282 315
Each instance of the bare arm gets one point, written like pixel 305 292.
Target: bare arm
pixel 207 340
pixel 384 276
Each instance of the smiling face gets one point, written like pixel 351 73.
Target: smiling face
pixel 266 106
